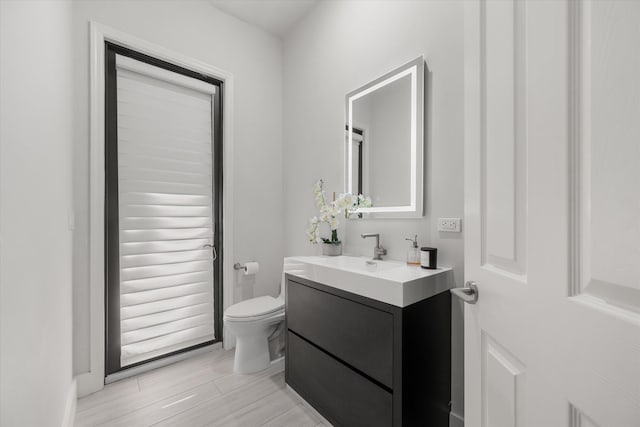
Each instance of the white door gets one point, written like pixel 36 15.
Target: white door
pixel 552 209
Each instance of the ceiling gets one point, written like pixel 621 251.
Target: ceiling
pixel 277 17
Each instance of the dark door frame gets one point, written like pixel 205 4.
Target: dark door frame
pixel 111 212
pixel 360 154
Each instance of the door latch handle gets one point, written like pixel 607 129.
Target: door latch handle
pixel 215 253
pixel 468 294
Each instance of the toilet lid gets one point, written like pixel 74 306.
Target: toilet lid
pixel 254 307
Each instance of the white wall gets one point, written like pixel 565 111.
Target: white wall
pixel 36 387
pixel 198 30
pixel 340 46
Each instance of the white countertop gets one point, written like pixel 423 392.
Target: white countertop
pixel 391 282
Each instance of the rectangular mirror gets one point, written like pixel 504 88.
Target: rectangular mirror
pixel 384 143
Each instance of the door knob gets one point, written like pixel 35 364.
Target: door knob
pixel 468 294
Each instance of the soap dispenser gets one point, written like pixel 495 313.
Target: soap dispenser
pixel 413 253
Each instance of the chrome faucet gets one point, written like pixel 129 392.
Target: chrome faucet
pixel 378 251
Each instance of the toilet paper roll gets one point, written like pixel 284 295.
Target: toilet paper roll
pixel 251 268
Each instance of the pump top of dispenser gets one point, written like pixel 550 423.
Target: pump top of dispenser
pixel 414 240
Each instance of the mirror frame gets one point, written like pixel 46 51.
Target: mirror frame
pixel 415 209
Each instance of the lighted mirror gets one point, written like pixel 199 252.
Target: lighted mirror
pixel 384 143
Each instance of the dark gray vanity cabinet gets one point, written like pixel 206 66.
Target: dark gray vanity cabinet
pixel 362 362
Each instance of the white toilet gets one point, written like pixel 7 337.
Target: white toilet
pixel 252 322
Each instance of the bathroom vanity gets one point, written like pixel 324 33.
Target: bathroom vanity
pixel 369 344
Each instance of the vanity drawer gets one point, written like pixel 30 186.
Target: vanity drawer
pixel 359 335
pixel 340 394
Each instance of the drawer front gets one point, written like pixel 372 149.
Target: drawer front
pixel 359 335
pixel 343 396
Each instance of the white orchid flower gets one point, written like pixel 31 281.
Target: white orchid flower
pixel 346 200
pixel 334 209
pixel 346 203
pixel 317 187
pixel 312 230
pixel 325 217
pixel 364 202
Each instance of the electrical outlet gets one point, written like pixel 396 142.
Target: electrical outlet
pixel 449 224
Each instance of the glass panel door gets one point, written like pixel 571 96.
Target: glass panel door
pixel 163 280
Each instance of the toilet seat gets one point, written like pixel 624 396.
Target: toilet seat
pixel 254 308
pixel 275 316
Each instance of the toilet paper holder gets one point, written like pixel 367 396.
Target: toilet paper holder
pixel 250 268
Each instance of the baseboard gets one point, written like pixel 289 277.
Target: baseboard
pixel 70 407
pixel 455 420
pixel 89 382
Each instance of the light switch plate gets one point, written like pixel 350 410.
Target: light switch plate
pixel 449 224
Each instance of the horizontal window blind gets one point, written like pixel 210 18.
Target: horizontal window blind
pixel 165 202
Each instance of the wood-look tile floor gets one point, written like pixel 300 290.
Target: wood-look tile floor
pixel 201 391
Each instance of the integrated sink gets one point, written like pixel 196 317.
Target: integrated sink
pixel 353 264
pixel 391 282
